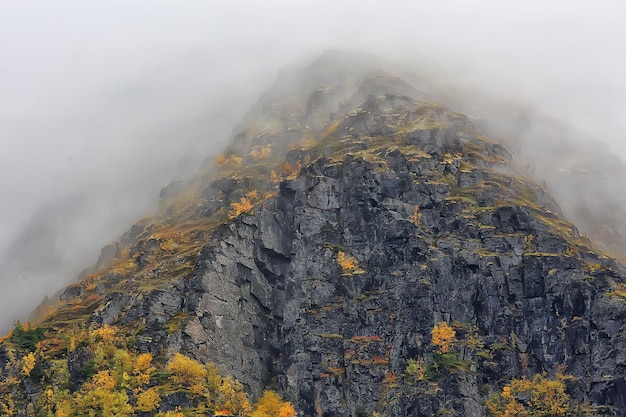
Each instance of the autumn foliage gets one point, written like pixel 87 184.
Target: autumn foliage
pixel 443 336
pixel 416 369
pixel 347 263
pixel 291 171
pixel 271 405
pixel 542 397
pixel 28 363
pixel 121 382
pixel 186 371
pixel 148 400
pixel 416 217
pixel 238 208
pixel 245 204
pixel 223 161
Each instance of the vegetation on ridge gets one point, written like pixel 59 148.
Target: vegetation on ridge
pixel 115 380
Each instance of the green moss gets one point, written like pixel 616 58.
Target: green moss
pixel 500 346
pixel 26 339
pixel 484 354
pixel 451 362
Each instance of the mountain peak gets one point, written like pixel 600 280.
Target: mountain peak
pixel 360 248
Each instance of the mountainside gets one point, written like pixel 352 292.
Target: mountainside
pixel 578 170
pixel 358 248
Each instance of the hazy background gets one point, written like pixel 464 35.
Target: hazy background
pixel 103 103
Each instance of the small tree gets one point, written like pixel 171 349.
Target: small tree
pixel 186 371
pixel 237 209
pixel 142 368
pixel 148 400
pixel 443 336
pixel 233 398
pixel 416 369
pixel 347 263
pixel 28 363
pixel 271 405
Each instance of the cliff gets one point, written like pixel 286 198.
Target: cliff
pixel 351 217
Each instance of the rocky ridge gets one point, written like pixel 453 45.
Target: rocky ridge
pixel 350 216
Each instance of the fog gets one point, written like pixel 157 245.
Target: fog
pixel 103 103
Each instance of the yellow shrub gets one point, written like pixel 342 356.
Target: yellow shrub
pixel 271 405
pixel 103 379
pixel 142 368
pixel 270 194
pixel 148 400
pixel 233 398
pixel 416 369
pixel 348 264
pixel 143 363
pixel 122 361
pixel 237 209
pixel 345 261
pixel 105 333
pixel 443 336
pixel 186 371
pixel 545 397
pixel 28 363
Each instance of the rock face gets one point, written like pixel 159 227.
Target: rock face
pixel 392 214
pixel 268 297
pixel 442 229
pixel 487 249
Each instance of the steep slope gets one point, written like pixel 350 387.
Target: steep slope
pixel 358 247
pixel 578 170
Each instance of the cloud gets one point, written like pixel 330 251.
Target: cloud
pixel 101 104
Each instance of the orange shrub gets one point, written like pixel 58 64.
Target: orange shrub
pixel 237 209
pixel 416 217
pixel 443 336
pixel 347 263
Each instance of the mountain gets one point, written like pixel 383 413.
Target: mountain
pixel 360 249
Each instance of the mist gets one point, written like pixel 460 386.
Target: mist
pixel 103 104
